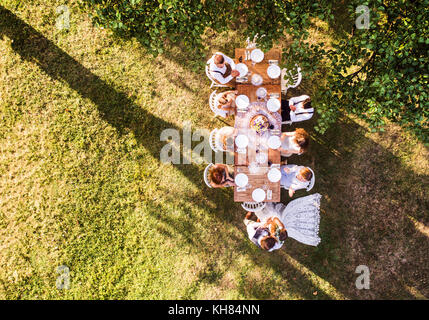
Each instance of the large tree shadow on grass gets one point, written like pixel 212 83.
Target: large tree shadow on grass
pixel 352 234
pixel 114 106
pixel 372 204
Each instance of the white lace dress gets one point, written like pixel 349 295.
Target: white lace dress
pixel 301 218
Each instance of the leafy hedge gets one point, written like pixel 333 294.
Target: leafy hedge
pixel 375 73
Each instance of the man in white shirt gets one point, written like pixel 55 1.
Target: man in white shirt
pixel 222 68
pixel 297 109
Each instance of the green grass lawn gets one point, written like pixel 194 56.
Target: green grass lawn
pixel 81 183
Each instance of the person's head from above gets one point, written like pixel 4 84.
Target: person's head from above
pixel 304 174
pixel 282 235
pixel 268 242
pixel 302 138
pixel 306 104
pixel 219 61
pixel 216 174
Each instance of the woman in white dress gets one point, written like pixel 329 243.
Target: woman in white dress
pixel 295 142
pixel 295 177
pixel 301 218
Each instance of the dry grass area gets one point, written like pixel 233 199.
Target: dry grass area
pixel 81 183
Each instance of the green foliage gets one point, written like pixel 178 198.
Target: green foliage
pixel 377 73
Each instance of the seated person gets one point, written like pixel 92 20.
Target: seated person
pixel 295 177
pixel 222 68
pixel 298 220
pixel 295 142
pixel 259 234
pixel 297 109
pixel 220 177
pixel 226 102
pixel 226 137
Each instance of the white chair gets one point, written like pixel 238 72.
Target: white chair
pixel 295 77
pixel 206 175
pixel 313 180
pixel 213 106
pixel 213 140
pixel 253 206
pixel 214 83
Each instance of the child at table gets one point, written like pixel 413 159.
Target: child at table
pixel 295 177
pixel 226 102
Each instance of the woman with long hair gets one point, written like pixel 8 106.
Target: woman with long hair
pixel 295 142
pixel 220 177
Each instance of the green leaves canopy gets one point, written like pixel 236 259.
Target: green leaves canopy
pixel 377 73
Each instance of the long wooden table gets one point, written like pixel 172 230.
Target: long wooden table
pixel 258 178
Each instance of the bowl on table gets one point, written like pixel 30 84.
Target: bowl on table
pixel 257 55
pixel 273 71
pixel 258 195
pixel 273 104
pixel 256 79
pixel 242 101
pixel 259 123
pixel 261 92
pixel 242 68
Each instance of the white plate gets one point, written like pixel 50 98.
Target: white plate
pixel 273 104
pixel 274 142
pixel 241 180
pixel 241 141
pixel 258 195
pixel 273 71
pixel 256 79
pixel 274 175
pixel 261 92
pixel 242 101
pixel 242 68
pixel 257 55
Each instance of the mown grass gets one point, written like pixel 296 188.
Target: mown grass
pixel 81 183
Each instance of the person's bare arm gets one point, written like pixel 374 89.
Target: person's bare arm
pixel 278 223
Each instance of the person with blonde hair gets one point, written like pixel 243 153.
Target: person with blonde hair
pixel 295 177
pixel 295 142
